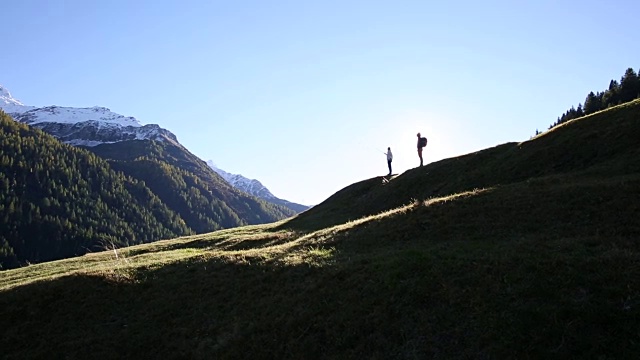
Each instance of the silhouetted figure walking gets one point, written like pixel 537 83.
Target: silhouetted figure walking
pixel 422 142
pixel 389 159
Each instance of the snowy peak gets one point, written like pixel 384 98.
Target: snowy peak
pixel 255 188
pixel 64 115
pixel 69 115
pixel 83 126
pixel 250 186
pixel 9 104
pixel 6 98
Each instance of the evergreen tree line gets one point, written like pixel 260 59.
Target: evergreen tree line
pixel 626 90
pixel 59 201
pixel 189 186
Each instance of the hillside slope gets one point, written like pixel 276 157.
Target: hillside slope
pixel 602 144
pixel 524 251
pixel 189 186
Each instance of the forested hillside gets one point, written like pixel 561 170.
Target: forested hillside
pixel 58 201
pixel 189 186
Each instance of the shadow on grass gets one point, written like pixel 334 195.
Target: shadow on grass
pixel 411 303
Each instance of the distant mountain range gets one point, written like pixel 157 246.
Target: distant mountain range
pixel 255 188
pixel 93 126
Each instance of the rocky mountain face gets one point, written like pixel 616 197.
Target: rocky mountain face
pixel 93 132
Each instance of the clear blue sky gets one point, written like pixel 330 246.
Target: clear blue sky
pixel 305 95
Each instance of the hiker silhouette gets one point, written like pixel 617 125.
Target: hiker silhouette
pixel 389 159
pixel 422 142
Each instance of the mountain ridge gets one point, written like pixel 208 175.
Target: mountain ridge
pixel 93 126
pixel 89 126
pixel 255 188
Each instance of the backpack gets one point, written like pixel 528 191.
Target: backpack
pixel 423 142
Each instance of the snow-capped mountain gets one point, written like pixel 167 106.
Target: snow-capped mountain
pixel 254 187
pixel 98 125
pixel 251 186
pixel 9 104
pixel 82 126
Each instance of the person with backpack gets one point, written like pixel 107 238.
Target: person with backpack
pixel 422 142
pixel 389 159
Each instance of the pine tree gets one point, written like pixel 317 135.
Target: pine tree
pixel 629 86
pixel 612 95
pixel 592 104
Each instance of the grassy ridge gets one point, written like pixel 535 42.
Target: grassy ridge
pixel 604 143
pixel 513 257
